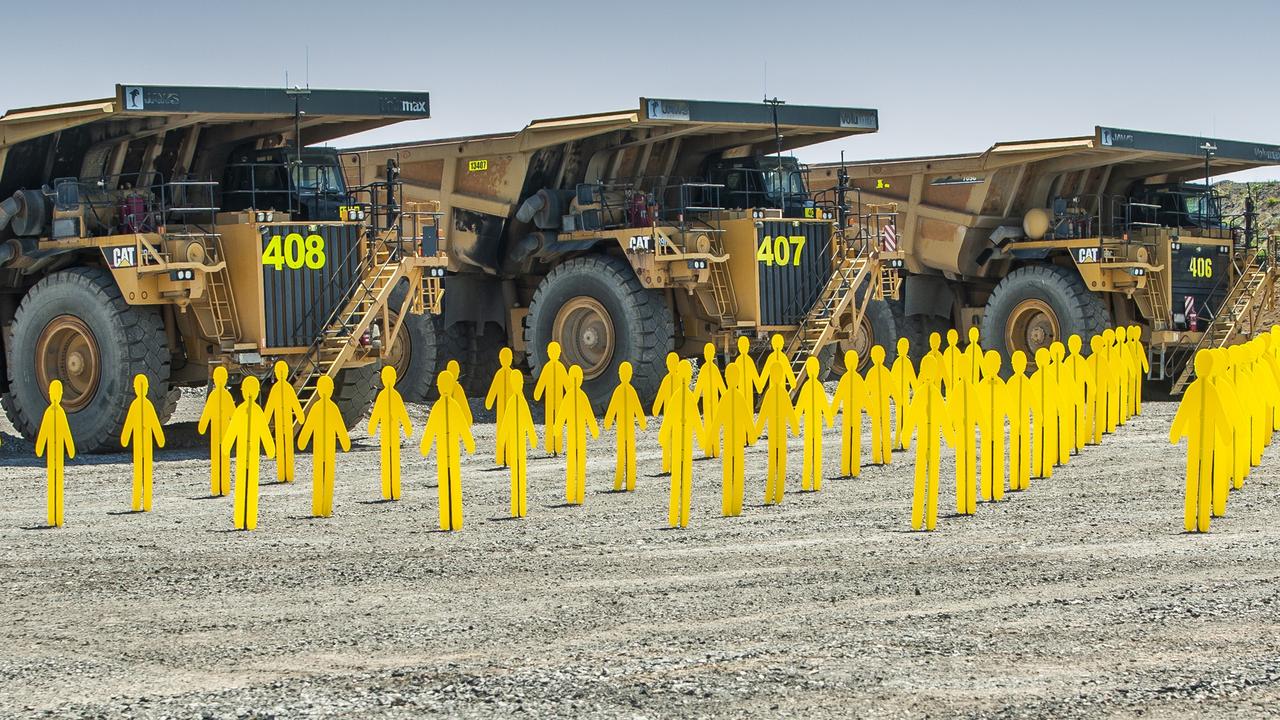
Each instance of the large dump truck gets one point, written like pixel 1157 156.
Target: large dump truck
pixel 627 235
pixel 1037 240
pixel 167 230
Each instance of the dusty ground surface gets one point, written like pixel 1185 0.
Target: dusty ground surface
pixel 1080 597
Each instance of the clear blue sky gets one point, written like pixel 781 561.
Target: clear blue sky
pixel 946 76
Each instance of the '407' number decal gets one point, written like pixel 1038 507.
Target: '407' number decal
pixel 780 250
pixel 294 252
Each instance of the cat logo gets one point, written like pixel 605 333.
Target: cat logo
pixel 1087 255
pixel 640 242
pixel 122 256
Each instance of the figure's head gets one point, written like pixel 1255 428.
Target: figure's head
pixel 1096 343
pixel 1204 364
pixel 625 372
pixel 281 370
pixel 1018 361
pixel 776 341
pixel 851 361
pixel 877 354
pixel 973 335
pixel 673 360
pixel 453 367
pixel 249 389
pixel 140 385
pixel 731 376
pixel 515 381
pixel 935 341
pixel 575 376
pixel 505 357
pixel 953 336
pixel 1042 358
pixel 1057 351
pixel 1135 333
pixel 1074 343
pixel 991 363
pixel 744 345
pixel 1109 336
pixel 811 367
pixel 685 368
pixel 388 376
pixel 219 377
pixel 553 351
pixel 324 387
pixel 709 352
pixel 904 347
pixel 55 392
pixel 444 383
pixel 928 368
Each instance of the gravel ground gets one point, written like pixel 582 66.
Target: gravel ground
pixel 1078 598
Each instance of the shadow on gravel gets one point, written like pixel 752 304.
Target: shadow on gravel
pixel 208 497
pixel 126 512
pixel 562 505
pixel 507 518
pixel 375 502
pixel 37 527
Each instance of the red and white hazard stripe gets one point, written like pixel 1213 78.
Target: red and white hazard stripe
pixel 889 238
pixel 1189 307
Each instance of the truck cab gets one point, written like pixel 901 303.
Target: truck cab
pixel 1179 205
pixel 309 188
pixel 761 181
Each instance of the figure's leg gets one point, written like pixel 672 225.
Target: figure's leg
pixel 146 476
pixel 631 459
pixel 997 453
pixel 515 488
pixel 934 449
pixel 673 500
pixel 739 482
pixel 806 464
pixel 846 445
pixel 686 488
pixel 251 492
pixel 918 489
pixel 455 490
pixel 395 469
pixel 51 489
pixel 620 463
pixel 855 451
pixel 780 487
pixel 817 459
pixel 135 501
pixel 240 499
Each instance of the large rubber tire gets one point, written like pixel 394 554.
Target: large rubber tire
pixel 129 340
pixel 642 323
pixel 416 370
pixel 354 390
pixel 883 331
pixel 1073 309
pixel 476 353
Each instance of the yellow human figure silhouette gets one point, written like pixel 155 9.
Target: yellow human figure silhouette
pixel 324 425
pixel 575 418
pixel 935 342
pixel 626 412
pixel 1119 381
pixel 708 389
pixel 1233 397
pixel 389 421
pixel 1254 401
pixel 449 431
pixel 813 408
pixel 850 400
pixel 516 436
pixel 1141 365
pixel 249 437
pixel 776 356
pixel 879 390
pixel 283 413
pixel 951 360
pixel 1021 397
pixel 1270 384
pixel 927 418
pixel 496 398
pixel 733 423
pixel 1200 419
pixel 971 359
pixel 55 444
pixel 680 426
pixel 963 411
pixel 660 399
pixel 142 428
pixel 459 392
pixel 1078 370
pixel 903 377
pixel 1100 399
pixel 749 376
pixel 993 408
pixel 778 415
pixel 1045 412
pixel 1067 401
pixel 550 389
pixel 218 408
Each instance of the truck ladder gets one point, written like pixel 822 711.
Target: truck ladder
pixel 332 350
pixel 722 287
pixel 1252 293
pixel 218 304
pixel 819 326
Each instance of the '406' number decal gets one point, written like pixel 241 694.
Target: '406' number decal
pixel 295 252
pixel 1201 267
pixel 780 250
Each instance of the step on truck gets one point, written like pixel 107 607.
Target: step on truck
pixel 168 230
pixel 628 235
pixel 1034 241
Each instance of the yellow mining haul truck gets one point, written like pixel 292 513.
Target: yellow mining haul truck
pixel 626 235
pixel 167 230
pixel 1037 240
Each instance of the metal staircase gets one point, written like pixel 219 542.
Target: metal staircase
pixel 819 326
pixel 216 311
pixel 384 267
pixel 1251 295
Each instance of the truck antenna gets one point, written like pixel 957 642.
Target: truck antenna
pixel 777 136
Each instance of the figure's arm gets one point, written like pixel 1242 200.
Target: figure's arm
pixel 157 430
pixel 295 405
pixel 42 436
pixel 340 427
pixel 402 418
pixel 206 415
pixel 468 440
pixel 591 416
pixel 308 428
pixel 611 412
pixel 234 429
pixel 375 415
pixel 495 386
pixel 541 385
pixel 130 420
pixel 431 429
pixel 68 441
pixel 268 443
pixel 639 412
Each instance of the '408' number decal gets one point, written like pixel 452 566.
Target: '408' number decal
pixel 780 250
pixel 295 252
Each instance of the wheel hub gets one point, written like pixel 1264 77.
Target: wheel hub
pixel 67 351
pixel 584 330
pixel 1032 325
